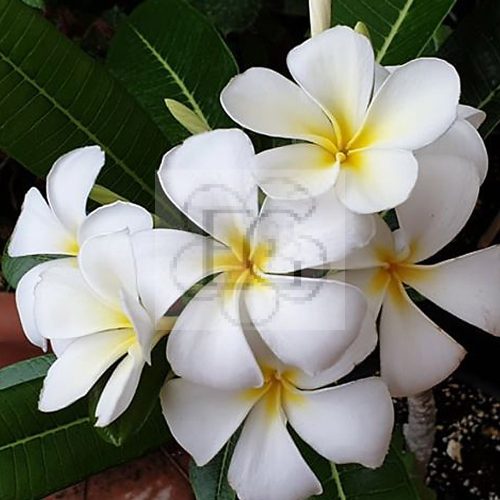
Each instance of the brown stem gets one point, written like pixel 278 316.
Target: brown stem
pixel 420 430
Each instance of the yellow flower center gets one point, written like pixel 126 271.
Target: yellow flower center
pixel 277 385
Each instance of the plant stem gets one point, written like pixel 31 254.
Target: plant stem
pixel 420 430
pixel 338 483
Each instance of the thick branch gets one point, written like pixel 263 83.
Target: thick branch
pixel 421 427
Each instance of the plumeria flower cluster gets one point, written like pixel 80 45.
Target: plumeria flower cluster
pixel 262 345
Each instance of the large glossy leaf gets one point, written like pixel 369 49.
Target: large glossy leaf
pixel 474 49
pixel 400 29
pixel 167 49
pixel 54 98
pixel 43 452
pixel 210 481
pixel 397 479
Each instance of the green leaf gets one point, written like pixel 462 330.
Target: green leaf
pixel 167 49
pixel 400 29
pixel 397 479
pixel 230 15
pixel 44 452
pixel 474 49
pixel 54 98
pixel 145 402
pixel 210 481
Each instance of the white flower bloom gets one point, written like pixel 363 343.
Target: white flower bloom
pixel 415 353
pixel 306 322
pixel 346 423
pixel 461 139
pixel 91 311
pixel 62 225
pixel 320 15
pixel 361 142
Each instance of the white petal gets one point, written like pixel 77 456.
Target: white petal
pixel 207 344
pixel 115 217
pixel 351 423
pixel 38 230
pixel 69 183
pixel 296 171
pixel 363 345
pixel 373 180
pixel 202 419
pixel 306 233
pixel 65 306
pixel 372 255
pixel 209 179
pixel 108 265
pixel 468 287
pixel 264 101
pixel 143 324
pixel 307 323
pixel 381 75
pixel 415 354
pixel 73 374
pixel 416 104
pixel 336 69
pixel 372 282
pixel 120 389
pixel 267 464
pixel 474 116
pixel 432 216
pixel 25 299
pixel 170 262
pixel 58 346
pixel 462 140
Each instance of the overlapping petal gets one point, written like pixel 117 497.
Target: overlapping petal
pixel 265 101
pixel 207 344
pixel 266 463
pixel 209 179
pixel 307 323
pixel 69 183
pixel 307 233
pixel 336 69
pixel 347 423
pixel 441 203
pixel 72 375
pixel 201 418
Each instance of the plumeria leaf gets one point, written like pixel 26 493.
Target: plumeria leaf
pixel 103 195
pixel 37 4
pixel 41 453
pixel 396 479
pixel 167 49
pixel 146 400
pixel 210 481
pixel 56 96
pixel 400 29
pixel 476 55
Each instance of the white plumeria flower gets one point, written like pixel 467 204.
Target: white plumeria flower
pixel 358 141
pixel 461 139
pixel 306 322
pixel 92 313
pixel 415 353
pixel 346 423
pixel 62 225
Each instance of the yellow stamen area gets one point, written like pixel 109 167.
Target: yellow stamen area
pixel 71 247
pixel 277 385
pixel 246 262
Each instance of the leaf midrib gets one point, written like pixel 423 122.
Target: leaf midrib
pixel 175 76
pixel 394 30
pixel 33 437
